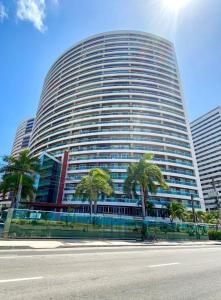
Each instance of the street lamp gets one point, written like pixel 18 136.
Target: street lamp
pixel 194 217
pixel 216 195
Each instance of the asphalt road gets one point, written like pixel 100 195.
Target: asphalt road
pixel 112 273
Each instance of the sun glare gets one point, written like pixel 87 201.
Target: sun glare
pixel 175 5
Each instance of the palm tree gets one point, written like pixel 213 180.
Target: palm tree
pixel 189 216
pixel 146 176
pixel 19 176
pixel 150 208
pixel 96 183
pixel 203 217
pixel 176 210
pixel 200 216
pixel 211 217
pixel 10 184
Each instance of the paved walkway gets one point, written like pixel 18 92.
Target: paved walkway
pixel 53 244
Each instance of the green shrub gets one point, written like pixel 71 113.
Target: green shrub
pixel 214 235
pixel 34 222
pixel 20 221
pixel 191 232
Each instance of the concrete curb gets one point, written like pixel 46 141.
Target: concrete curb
pixel 77 246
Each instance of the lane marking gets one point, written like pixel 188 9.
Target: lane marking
pixel 7 257
pixel 17 256
pixel 164 265
pixel 20 279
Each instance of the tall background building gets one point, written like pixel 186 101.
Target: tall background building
pixel 22 137
pixel 108 100
pixel 206 133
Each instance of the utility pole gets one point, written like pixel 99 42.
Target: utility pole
pixel 217 198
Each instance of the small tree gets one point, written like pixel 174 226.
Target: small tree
pixel 97 182
pixel 176 210
pixel 147 177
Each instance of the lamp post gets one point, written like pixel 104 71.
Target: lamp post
pixel 194 217
pixel 217 198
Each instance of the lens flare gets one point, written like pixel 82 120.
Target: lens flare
pixel 175 5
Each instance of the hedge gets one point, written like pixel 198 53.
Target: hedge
pixel 214 235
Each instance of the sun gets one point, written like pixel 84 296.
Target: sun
pixel 175 5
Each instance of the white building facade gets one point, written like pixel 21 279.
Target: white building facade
pixel 206 133
pixel 108 100
pixel 22 137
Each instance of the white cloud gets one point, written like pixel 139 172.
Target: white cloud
pixel 32 11
pixel 3 13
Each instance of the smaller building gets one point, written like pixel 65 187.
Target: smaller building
pixel 22 136
pixel 206 133
pixel 50 182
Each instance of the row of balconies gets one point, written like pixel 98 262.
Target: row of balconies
pixel 117 149
pixel 66 60
pixel 49 103
pixel 114 68
pixel 101 113
pixel 115 120
pixel 80 145
pixel 143 102
pixel 107 159
pixel 133 130
pixel 102 73
pixel 132 121
pixel 110 91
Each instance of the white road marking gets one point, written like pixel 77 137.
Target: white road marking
pixel 7 257
pixel 164 265
pixel 20 279
pixel 16 256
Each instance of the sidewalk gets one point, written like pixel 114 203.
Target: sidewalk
pixel 55 244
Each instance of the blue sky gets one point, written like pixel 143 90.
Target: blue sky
pixel 33 33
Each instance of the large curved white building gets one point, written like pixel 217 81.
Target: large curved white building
pixel 108 100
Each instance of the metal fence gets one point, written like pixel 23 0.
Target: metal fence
pixel 23 223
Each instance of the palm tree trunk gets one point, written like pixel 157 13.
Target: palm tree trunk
pixel 144 226
pixel 91 207
pixel 18 196
pixel 145 200
pixel 13 198
pixel 95 207
pixel 143 203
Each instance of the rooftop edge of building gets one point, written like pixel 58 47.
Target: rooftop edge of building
pixel 155 36
pixel 25 121
pixel 205 115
